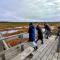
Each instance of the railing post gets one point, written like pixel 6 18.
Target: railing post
pixel 3 57
pixel 20 36
pixel 58 46
pixel 6 46
pixel 22 47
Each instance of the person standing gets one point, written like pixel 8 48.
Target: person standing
pixel 47 30
pixel 58 37
pixel 32 35
pixel 40 34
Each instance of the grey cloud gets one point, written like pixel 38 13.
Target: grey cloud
pixel 24 10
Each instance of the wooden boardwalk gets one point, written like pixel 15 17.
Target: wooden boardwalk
pixel 47 51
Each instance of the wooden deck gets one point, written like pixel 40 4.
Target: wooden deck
pixel 47 51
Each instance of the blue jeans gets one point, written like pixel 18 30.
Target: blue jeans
pixel 46 34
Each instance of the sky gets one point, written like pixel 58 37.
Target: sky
pixel 30 10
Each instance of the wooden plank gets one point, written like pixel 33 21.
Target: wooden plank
pixel 50 56
pixel 11 52
pixel 55 56
pixel 42 48
pixel 6 46
pixel 24 54
pixel 38 52
pixel 58 56
pixel 45 50
pixel 39 45
pixel 48 51
pixel 9 55
pixel 0 58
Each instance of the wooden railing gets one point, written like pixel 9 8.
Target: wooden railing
pixel 13 51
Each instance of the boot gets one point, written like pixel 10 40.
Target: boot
pixel 35 48
pixel 42 42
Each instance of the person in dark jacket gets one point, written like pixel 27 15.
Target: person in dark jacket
pixel 32 35
pixel 58 33
pixel 31 32
pixel 40 34
pixel 47 30
pixel 58 37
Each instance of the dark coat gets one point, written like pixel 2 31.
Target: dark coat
pixel 58 46
pixel 58 33
pixel 47 28
pixel 40 34
pixel 31 33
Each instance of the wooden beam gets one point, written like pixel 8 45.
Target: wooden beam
pixel 24 54
pixel 6 46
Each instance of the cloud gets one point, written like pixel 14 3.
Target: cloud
pixel 58 1
pixel 29 10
